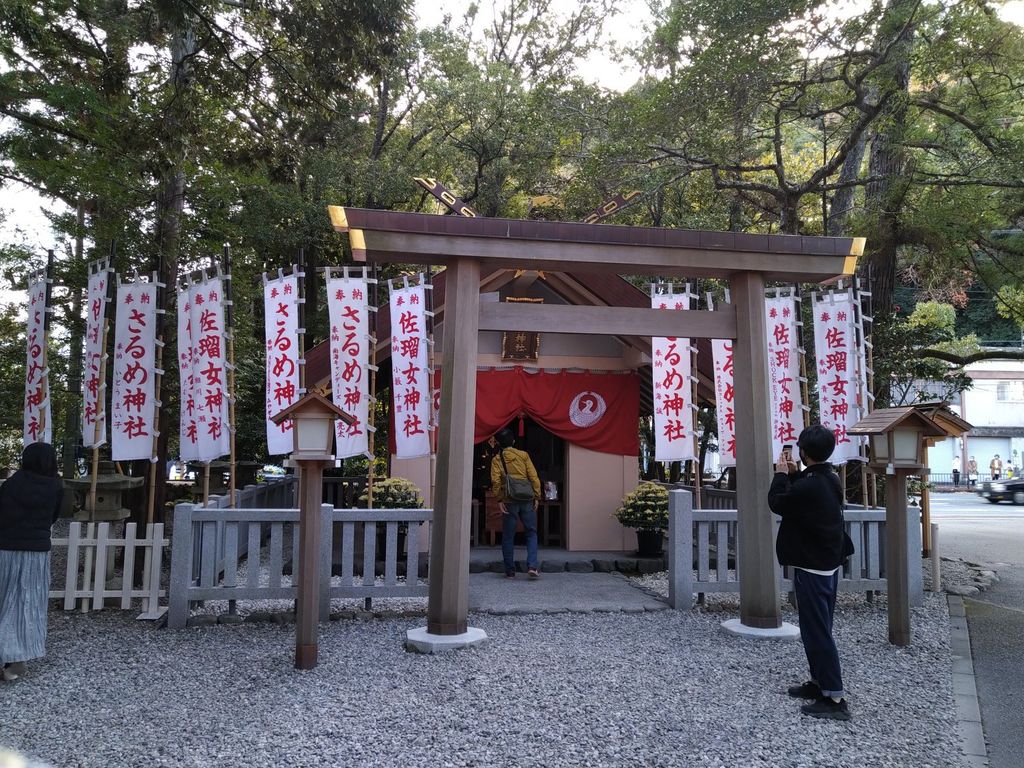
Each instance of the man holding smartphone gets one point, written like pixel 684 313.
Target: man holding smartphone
pixel 812 540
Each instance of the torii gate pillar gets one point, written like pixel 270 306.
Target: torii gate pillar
pixel 449 533
pixel 755 559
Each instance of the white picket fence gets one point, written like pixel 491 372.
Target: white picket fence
pixel 92 546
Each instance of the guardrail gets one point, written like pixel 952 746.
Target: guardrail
pixel 701 540
pixel 213 569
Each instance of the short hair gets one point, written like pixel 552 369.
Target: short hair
pixel 39 459
pixel 817 442
pixel 505 438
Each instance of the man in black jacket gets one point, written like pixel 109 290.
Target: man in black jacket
pixel 811 539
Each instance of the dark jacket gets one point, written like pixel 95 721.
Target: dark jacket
pixel 810 504
pixel 29 506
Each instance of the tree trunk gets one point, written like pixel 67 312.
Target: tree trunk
pixel 842 199
pixel 789 219
pixel 72 422
pixel 311 294
pixel 170 204
pixel 887 162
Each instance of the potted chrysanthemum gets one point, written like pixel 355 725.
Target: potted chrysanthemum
pixel 646 509
pixel 394 493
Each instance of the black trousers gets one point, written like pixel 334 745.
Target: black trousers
pixel 816 605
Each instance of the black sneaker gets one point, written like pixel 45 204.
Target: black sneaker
pixel 808 690
pixel 827 709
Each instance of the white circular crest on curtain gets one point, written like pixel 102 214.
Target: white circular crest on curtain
pixel 587 408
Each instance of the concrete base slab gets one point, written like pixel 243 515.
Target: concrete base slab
pixel 421 641
pixel 786 632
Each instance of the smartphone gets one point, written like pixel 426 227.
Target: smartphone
pixel 787 450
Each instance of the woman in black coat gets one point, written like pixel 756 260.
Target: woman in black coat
pixel 29 505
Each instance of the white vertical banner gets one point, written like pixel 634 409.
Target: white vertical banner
pixel 784 370
pixel 281 308
pixel 348 311
pixel 672 379
pixel 38 425
pixel 836 361
pixel 410 372
pixel 209 370
pixel 188 427
pixel 133 405
pixel 725 401
pixel 94 412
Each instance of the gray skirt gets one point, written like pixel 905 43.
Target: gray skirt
pixel 24 588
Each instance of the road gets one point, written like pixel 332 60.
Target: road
pixel 974 529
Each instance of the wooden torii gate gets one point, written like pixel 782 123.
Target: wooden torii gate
pixel 464 244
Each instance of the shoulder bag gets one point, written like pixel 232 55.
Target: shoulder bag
pixel 516 488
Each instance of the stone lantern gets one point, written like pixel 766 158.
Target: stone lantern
pixel 110 489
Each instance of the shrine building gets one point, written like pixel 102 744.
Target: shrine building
pixel 573 401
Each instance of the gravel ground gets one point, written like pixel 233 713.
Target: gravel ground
pixel 651 689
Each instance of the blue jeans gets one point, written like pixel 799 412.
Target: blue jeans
pixel 516 511
pixel 816 604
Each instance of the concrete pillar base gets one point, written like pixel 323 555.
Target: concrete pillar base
pixel 786 632
pixel 421 641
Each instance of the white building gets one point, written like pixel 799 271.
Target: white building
pixel 994 405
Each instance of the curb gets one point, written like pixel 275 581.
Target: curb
pixel 965 691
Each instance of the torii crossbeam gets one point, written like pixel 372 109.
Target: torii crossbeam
pixel 463 245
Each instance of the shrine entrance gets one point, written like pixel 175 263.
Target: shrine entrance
pixel 466 245
pixel 547 451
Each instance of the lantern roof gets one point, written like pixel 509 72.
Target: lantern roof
pixel 940 412
pixel 313 403
pixel 885 420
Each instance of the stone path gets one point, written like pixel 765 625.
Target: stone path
pixel 559 593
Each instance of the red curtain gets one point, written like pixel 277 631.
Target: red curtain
pixel 599 411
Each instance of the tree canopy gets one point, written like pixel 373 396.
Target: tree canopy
pixel 172 128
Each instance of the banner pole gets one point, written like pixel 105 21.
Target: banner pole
pixel 48 278
pixel 158 377
pixel 101 401
pixel 372 433
pixel 101 411
pixel 229 316
pixel 428 300
pixel 698 467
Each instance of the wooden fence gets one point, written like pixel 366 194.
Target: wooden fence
pixel 92 545
pixel 702 542
pixel 212 569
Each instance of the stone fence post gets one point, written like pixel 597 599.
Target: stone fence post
pixel 680 549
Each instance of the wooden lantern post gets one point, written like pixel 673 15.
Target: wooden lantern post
pixel 897 449
pixel 313 419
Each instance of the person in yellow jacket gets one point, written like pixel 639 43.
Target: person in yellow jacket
pixel 518 465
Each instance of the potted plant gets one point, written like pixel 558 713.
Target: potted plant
pixel 646 509
pixel 394 493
